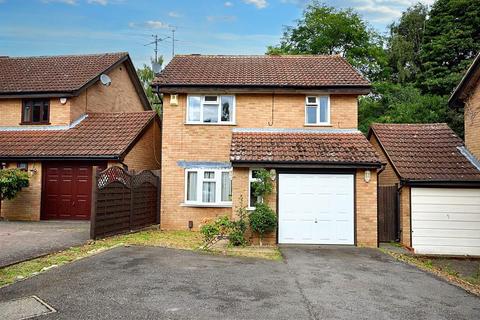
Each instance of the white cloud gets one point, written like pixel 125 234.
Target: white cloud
pixel 221 18
pixel 260 4
pixel 100 2
pixel 174 14
pixel 150 24
pixel 228 4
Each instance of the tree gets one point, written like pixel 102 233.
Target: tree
pixel 326 30
pixel 405 43
pixel 11 182
pixel 146 76
pixel 451 41
pixel 396 103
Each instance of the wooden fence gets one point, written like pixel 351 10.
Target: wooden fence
pixel 123 201
pixel 387 214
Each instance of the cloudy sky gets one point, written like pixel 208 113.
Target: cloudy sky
pixel 49 27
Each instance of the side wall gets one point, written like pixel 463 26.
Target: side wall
pixel 387 177
pixel 120 96
pixel 472 121
pixel 405 215
pixel 146 153
pixel 26 205
pixel 366 209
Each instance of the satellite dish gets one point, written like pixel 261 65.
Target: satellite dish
pixel 156 67
pixel 105 80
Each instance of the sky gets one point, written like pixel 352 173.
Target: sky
pixel 54 27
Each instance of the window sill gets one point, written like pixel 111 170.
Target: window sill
pixel 205 205
pixel 34 124
pixel 208 124
pixel 318 125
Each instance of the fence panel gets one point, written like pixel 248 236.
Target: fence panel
pixel 124 201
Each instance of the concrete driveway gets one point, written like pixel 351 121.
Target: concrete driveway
pixel 25 240
pixel 312 283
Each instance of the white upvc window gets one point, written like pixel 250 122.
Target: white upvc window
pixel 208 187
pixel 252 199
pixel 211 109
pixel 317 110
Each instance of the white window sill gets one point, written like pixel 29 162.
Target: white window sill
pixel 318 125
pixel 209 124
pixel 206 205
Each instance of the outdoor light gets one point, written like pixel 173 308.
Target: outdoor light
pixel 368 176
pixel 63 100
pixel 272 174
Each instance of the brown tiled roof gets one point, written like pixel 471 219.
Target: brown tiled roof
pixel 53 73
pixel 425 152
pixel 267 70
pixel 336 147
pixel 99 135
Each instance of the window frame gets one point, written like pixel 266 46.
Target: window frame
pixel 250 180
pixel 31 103
pixel 23 166
pixel 218 187
pixel 317 106
pixel 211 103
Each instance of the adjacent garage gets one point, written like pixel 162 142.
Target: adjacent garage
pixel 316 209
pixel 446 221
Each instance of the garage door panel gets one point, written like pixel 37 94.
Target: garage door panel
pixel 324 205
pixel 446 220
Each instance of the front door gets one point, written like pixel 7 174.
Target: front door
pixel 66 192
pixel 316 209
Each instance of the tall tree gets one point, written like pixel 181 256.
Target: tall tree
pixel 326 30
pixel 146 76
pixel 451 41
pixel 405 43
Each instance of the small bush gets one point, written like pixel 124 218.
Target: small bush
pixel 11 182
pixel 209 231
pixel 262 220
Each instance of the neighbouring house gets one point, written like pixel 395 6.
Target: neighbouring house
pixel 467 95
pixel 225 117
pixel 437 182
pixel 62 115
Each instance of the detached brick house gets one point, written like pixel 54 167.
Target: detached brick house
pixel 61 115
pixel 226 116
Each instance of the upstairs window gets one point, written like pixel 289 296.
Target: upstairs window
pixel 210 109
pixel 36 111
pixel 317 110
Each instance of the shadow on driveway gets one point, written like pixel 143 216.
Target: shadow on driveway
pixel 312 283
pixel 26 240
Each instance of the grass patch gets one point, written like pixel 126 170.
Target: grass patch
pixel 441 268
pixel 187 240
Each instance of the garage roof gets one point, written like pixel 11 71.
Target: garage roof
pixel 328 147
pixel 426 152
pixel 94 136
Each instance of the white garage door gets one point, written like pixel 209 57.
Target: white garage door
pixel 446 221
pixel 315 209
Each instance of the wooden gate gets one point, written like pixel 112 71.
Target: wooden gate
pixel 124 201
pixel 387 214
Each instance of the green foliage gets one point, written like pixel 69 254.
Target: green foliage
pixel 146 76
pixel 236 236
pixel 451 42
pixel 264 185
pixel 326 30
pixel 405 43
pixel 209 231
pixel 223 226
pixel 262 220
pixel 11 182
pixel 395 103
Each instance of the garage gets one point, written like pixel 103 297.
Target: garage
pixel 66 192
pixel 316 209
pixel 446 221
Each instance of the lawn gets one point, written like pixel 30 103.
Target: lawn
pixel 464 272
pixel 187 240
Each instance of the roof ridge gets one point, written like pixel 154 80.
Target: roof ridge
pixel 259 55
pixel 67 55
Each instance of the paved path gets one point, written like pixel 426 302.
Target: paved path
pixel 312 283
pixel 25 240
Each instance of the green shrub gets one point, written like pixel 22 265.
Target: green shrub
pixel 264 185
pixel 209 231
pixel 262 220
pixel 11 182
pixel 236 236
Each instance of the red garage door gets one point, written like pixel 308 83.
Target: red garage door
pixel 66 192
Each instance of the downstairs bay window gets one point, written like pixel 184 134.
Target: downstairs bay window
pixel 208 187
